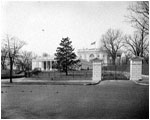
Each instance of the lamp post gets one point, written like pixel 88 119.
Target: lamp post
pixel 11 61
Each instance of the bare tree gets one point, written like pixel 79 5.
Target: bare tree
pixel 25 60
pixel 112 41
pixel 4 54
pixel 137 44
pixel 139 16
pixel 13 45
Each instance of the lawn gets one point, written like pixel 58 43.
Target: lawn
pixel 79 75
pixel 111 72
pixel 5 74
pixel 109 99
pixel 108 73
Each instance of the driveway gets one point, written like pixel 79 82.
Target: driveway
pixel 109 99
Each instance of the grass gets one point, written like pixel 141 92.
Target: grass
pixel 73 75
pixel 108 74
pixel 5 74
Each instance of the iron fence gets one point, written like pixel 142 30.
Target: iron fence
pixel 57 75
pixel 115 72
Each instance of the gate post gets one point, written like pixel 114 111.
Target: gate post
pixel 136 68
pixel 97 70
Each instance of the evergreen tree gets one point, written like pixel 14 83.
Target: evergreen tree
pixel 65 56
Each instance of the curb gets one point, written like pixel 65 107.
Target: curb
pixel 93 83
pixel 52 83
pixel 139 83
pixel 147 76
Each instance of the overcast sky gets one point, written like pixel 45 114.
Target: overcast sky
pixel 43 24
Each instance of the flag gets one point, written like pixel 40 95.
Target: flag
pixel 93 43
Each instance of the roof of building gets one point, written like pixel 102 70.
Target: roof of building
pixel 46 58
pixel 97 60
pixel 92 50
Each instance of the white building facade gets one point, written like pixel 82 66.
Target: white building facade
pixel 99 51
pixel 90 54
pixel 45 63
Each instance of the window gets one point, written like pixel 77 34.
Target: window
pixel 91 56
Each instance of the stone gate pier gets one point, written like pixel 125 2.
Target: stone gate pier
pixel 97 70
pixel 136 68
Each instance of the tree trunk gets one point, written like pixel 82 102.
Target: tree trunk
pixel 113 61
pixel 11 69
pixel 66 71
pixel 3 66
pixel 142 44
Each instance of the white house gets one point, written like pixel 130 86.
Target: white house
pixel 46 63
pixel 97 50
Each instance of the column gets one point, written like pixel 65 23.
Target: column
pixel 37 64
pixel 33 65
pixel 50 65
pixel 42 65
pixel 46 65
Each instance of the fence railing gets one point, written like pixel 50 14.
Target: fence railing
pixel 109 72
pixel 115 72
pixel 57 75
pixel 145 69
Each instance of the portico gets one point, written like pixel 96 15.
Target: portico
pixel 45 63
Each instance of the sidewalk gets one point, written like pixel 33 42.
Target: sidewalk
pixel 58 82
pixel 26 81
pixel 144 81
